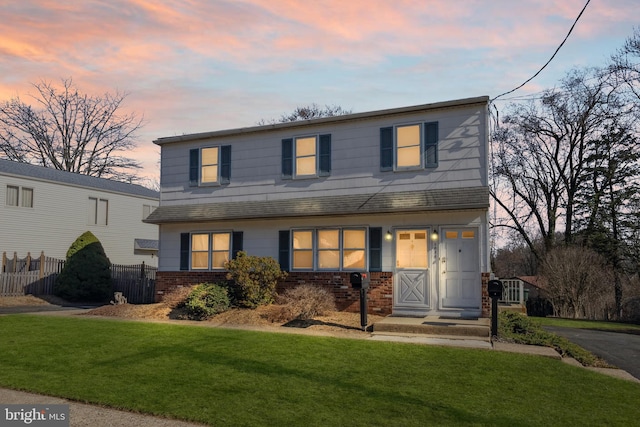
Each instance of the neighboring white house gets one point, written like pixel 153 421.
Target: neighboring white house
pixel 399 193
pixel 44 209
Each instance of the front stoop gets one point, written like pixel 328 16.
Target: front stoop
pixel 435 326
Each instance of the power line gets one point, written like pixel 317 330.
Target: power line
pixel 552 56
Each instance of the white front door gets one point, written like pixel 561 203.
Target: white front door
pixel 411 283
pixel 460 283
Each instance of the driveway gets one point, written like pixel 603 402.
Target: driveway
pixel 620 350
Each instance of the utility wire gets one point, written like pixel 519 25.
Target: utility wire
pixel 552 56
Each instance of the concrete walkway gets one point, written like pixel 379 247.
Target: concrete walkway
pixel 85 415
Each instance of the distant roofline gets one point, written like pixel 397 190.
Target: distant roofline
pixel 41 173
pixel 342 118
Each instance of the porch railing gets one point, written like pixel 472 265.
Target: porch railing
pixel 513 291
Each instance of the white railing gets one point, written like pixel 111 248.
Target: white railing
pixel 513 291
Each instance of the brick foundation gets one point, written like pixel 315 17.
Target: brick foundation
pixel 486 301
pixel 380 293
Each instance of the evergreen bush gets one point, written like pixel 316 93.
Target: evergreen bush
pixel 254 279
pixel 86 275
pixel 206 300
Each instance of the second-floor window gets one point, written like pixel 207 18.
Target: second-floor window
pixel 306 156
pixel 98 211
pixel 19 196
pixel 409 147
pixel 210 165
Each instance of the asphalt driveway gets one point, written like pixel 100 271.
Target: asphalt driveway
pixel 618 349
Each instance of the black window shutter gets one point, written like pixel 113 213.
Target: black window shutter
pixel 386 149
pixel 236 243
pixel 431 144
pixel 375 249
pixel 283 249
pixel 287 158
pixel 325 155
pixel 184 251
pixel 225 164
pixel 194 166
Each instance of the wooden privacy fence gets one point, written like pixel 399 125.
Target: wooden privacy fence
pixel 36 276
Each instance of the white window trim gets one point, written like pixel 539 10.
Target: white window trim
pixel 94 221
pixel 316 155
pixel 20 196
pixel 209 249
pixel 315 249
pixel 200 165
pixel 395 148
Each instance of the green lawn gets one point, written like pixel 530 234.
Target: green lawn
pixel 232 377
pixel 627 328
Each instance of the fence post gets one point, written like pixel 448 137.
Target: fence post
pixel 142 270
pixel 41 276
pixel 15 262
pixel 27 264
pixel 4 262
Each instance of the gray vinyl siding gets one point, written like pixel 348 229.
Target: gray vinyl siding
pixel 355 160
pixel 60 214
pixel 261 237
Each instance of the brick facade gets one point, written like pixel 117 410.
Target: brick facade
pixel 486 301
pixel 380 295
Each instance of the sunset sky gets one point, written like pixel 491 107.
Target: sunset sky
pixel 196 66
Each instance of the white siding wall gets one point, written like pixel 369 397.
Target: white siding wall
pixel 256 160
pixel 261 237
pixel 60 214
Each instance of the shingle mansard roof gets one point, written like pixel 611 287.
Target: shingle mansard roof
pixel 355 204
pixel 41 173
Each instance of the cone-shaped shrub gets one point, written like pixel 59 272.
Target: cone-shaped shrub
pixel 87 272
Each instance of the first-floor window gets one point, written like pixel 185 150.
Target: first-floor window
pixel 329 249
pixel 210 250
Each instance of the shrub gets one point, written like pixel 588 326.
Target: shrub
pixel 306 302
pixel 254 279
pixel 521 329
pixel 206 300
pixel 86 275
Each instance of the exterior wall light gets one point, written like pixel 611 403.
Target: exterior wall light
pixel 388 237
pixel 434 235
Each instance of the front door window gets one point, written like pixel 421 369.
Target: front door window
pixel 411 249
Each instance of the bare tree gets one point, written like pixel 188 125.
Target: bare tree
pixel 540 153
pixel 70 131
pixel 308 112
pixel 577 282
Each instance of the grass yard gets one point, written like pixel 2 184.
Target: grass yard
pixel 232 377
pixel 628 328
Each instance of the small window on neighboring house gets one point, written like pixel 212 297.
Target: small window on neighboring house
pixel 19 196
pixel 27 197
pixel 210 165
pixel 12 195
pixel 98 212
pixel 146 210
pixel 409 147
pixel 306 157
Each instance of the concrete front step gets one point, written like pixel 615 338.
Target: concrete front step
pixel 435 326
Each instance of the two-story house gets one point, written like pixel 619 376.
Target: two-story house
pixel 399 193
pixel 45 210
